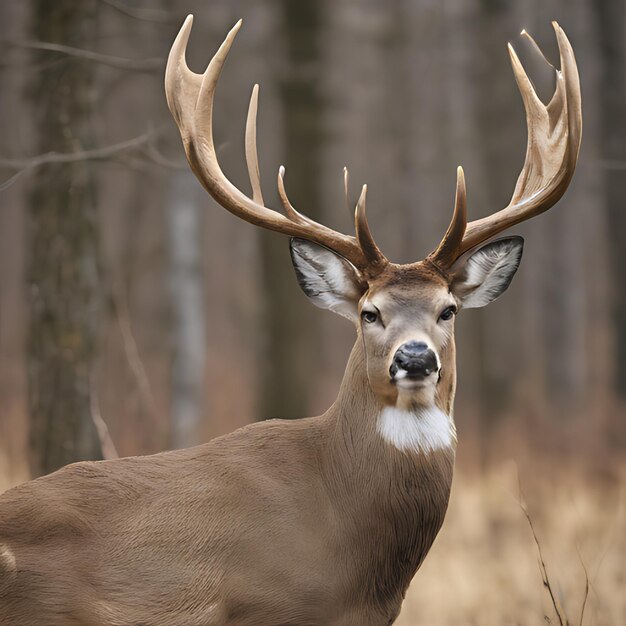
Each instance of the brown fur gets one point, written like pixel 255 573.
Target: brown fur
pixel 317 521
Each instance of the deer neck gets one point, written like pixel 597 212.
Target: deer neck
pixel 397 497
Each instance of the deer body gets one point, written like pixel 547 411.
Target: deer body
pixel 319 521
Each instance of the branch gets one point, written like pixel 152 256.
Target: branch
pixel 147 15
pixel 153 153
pixel 106 442
pixel 131 350
pixel 587 585
pixel 140 65
pixel 558 608
pixel 26 165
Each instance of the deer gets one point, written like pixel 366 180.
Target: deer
pixel 321 520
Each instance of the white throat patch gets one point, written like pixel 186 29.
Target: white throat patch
pixel 423 430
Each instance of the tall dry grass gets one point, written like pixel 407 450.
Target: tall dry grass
pixel 483 569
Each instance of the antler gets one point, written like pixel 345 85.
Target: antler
pixel 190 99
pixel 554 134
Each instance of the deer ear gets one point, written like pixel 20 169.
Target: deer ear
pixel 326 278
pixel 486 273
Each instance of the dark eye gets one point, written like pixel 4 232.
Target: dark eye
pixel 448 313
pixel 369 317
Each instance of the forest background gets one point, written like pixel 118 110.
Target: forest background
pixel 129 299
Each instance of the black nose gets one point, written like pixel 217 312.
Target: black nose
pixel 415 358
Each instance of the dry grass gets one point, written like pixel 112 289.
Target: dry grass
pixel 484 568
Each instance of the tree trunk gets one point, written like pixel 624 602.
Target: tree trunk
pixel 186 288
pixel 62 276
pixel 290 355
pixel 610 25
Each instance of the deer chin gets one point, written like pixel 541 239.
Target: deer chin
pixel 403 381
pixel 405 392
pixel 410 382
pixel 412 393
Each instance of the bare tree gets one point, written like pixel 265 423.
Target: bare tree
pixel 63 272
pixel 285 383
pixel 186 287
pixel 610 20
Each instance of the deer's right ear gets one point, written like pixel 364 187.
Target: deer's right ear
pixel 326 278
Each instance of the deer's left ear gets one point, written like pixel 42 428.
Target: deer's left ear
pixel 487 272
pixel 326 278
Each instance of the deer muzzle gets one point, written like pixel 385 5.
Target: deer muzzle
pixel 413 360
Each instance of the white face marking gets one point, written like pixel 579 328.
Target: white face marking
pixel 423 430
pixel 402 382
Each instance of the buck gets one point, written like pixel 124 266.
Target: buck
pixel 323 520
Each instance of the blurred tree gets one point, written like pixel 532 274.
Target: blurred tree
pixel 62 274
pixel 611 18
pixel 186 285
pixel 289 347
pixel 496 104
pixel 401 92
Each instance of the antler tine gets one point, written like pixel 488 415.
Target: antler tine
pixel 554 135
pixel 364 236
pixel 571 80
pixel 252 158
pixel 180 81
pixel 292 213
pixel 190 98
pixel 448 250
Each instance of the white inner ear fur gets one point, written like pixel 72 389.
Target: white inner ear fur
pixel 422 430
pixel 488 272
pixel 329 281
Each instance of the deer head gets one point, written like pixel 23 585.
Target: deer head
pixel 404 314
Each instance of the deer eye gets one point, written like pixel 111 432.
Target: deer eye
pixel 447 313
pixel 369 317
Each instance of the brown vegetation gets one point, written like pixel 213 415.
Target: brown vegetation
pixel 483 569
